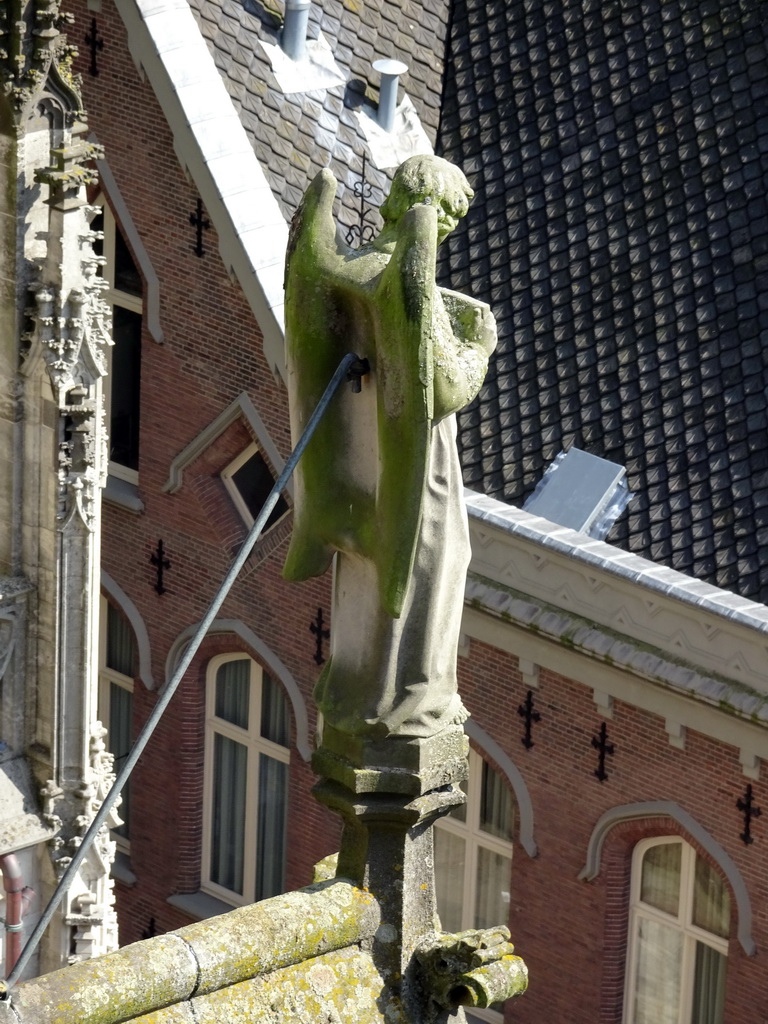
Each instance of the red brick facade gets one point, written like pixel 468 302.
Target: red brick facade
pixel 571 933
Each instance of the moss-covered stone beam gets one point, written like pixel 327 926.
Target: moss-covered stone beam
pixel 200 959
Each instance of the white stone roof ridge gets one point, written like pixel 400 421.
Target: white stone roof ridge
pixel 213 147
pixel 623 564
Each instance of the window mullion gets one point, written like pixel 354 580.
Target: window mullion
pixel 251 818
pixel 687 969
pixel 470 881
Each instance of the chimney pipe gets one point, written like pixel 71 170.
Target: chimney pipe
pixel 294 36
pixel 390 71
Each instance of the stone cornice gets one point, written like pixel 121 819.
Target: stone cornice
pixel 617 606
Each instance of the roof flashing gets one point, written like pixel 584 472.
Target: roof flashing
pixel 407 137
pixel 582 492
pixel 316 70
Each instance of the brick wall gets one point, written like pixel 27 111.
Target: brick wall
pixel 571 933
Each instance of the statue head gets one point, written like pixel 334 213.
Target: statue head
pixel 432 181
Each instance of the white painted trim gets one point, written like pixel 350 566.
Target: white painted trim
pixel 263 654
pixel 241 406
pixel 669 809
pixel 213 148
pixel 120 210
pixel 620 677
pixel 598 597
pixel 131 612
pixel 515 779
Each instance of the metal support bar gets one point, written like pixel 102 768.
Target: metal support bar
pixel 341 374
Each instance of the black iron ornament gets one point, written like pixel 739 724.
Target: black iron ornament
pixel 200 223
pixel 96 43
pixel 161 563
pixel 603 747
pixel 529 716
pixel 361 232
pixel 749 811
pixel 321 633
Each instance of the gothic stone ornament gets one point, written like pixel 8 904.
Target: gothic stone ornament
pixel 380 483
pixel 33 52
pixel 90 901
pixel 472 968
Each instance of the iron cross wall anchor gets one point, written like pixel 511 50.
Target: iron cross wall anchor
pixel 96 43
pixel 745 805
pixel 200 223
pixel 321 633
pixel 161 563
pixel 603 747
pixel 529 716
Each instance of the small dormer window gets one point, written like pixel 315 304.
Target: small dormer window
pixel 249 480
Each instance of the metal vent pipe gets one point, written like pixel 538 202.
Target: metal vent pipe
pixel 390 71
pixel 293 40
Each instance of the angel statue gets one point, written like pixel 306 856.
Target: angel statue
pixel 380 483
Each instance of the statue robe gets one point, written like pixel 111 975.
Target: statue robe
pixel 380 483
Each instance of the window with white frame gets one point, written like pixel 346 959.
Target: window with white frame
pixel 473 853
pixel 678 936
pixel 249 480
pixel 123 383
pixel 473 859
pixel 246 781
pixel 117 660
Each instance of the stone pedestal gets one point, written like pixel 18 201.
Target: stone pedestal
pixel 389 795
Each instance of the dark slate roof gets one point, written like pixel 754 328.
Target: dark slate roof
pixel 294 136
pixel 619 151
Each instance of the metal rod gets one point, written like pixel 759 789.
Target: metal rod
pixel 168 691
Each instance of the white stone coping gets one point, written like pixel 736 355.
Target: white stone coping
pixel 213 148
pixel 617 606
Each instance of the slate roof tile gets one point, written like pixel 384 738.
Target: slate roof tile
pixel 324 132
pixel 636 132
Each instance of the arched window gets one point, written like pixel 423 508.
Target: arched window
pixel 117 665
pixel 678 936
pixel 473 853
pixel 246 781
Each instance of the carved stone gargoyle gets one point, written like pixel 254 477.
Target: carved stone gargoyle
pixel 471 968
